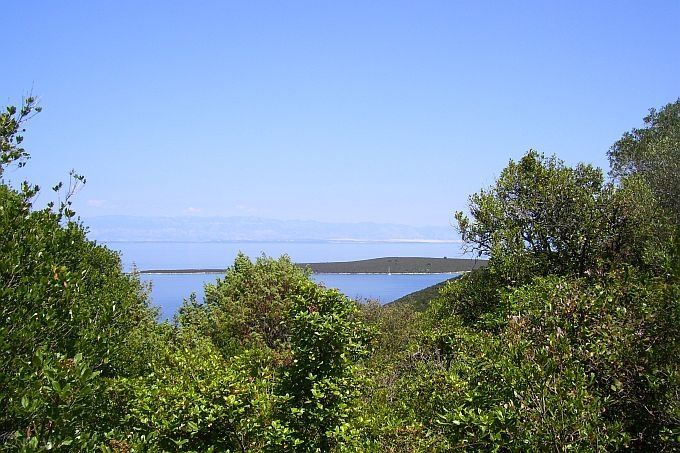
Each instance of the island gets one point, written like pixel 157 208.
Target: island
pixel 385 265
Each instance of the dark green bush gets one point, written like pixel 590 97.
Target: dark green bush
pixel 568 340
pixel 67 314
pixel 310 339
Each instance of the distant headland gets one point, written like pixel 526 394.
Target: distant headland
pixel 385 265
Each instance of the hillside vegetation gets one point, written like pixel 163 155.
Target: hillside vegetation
pixel 567 339
pixel 397 265
pixel 419 300
pixel 394 265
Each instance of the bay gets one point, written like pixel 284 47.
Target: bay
pixel 169 290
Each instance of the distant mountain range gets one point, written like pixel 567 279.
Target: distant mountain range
pixel 218 229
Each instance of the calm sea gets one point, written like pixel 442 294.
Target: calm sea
pixel 169 290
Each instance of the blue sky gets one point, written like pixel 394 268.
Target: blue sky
pixel 329 111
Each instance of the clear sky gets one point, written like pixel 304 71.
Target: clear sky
pixel 331 111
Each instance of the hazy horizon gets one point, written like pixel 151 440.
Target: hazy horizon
pixel 391 112
pixel 126 228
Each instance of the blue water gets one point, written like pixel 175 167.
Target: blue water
pixel 169 290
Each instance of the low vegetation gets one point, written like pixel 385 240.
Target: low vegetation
pixel 420 300
pixel 395 265
pixel 567 339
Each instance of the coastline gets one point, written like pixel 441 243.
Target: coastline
pixel 375 266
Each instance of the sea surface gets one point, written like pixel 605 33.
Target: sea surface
pixel 169 290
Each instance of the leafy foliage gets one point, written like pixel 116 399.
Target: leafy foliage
pixel 320 381
pixel 308 338
pixel 567 340
pixel 194 400
pixel 653 152
pixel 542 218
pixel 249 306
pixel 11 128
pixel 66 315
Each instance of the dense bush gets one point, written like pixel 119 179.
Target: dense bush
pixel 269 361
pixel 312 336
pixel 542 217
pixel 195 400
pixel 66 316
pixel 569 337
pixel 568 340
pixel 653 152
pixel 249 306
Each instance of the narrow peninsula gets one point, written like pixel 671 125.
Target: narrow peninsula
pixel 386 265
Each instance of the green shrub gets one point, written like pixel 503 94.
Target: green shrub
pixel 320 383
pixel 310 339
pixel 195 400
pixel 249 306
pixel 67 312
